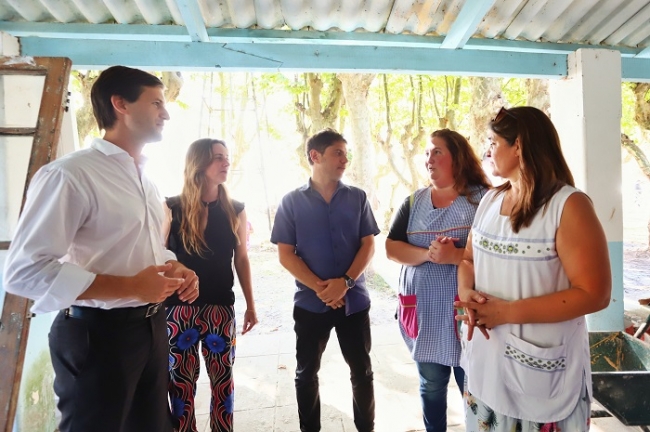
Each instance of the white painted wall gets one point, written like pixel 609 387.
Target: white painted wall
pixel 586 109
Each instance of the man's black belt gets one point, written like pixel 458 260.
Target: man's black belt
pixel 117 314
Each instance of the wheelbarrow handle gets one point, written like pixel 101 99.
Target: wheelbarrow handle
pixel 642 329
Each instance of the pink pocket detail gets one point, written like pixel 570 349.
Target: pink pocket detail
pixel 408 315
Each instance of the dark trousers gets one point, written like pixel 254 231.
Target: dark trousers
pixel 111 375
pixel 312 333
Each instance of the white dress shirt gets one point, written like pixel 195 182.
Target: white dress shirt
pixel 87 213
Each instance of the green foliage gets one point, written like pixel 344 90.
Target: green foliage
pixel 279 82
pixel 629 126
pixel 514 91
pixel 437 102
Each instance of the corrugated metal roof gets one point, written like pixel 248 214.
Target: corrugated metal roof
pixel 595 22
pixel 505 26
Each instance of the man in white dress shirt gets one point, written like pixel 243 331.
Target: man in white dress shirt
pixel 89 243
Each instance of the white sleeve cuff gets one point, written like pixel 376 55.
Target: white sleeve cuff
pixel 69 283
pixel 169 255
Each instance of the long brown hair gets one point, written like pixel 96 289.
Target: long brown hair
pixel 466 167
pixel 542 167
pixel 199 157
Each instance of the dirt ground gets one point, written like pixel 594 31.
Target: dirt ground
pixel 274 287
pixel 636 272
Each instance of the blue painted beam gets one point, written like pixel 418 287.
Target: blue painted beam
pixel 97 54
pixel 175 33
pixel 466 23
pixel 635 69
pixel 193 19
pixel 541 47
pixel 644 54
pixel 141 32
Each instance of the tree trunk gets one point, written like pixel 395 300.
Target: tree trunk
pixel 538 96
pixel 173 82
pixel 642 117
pixel 642 105
pixel 86 123
pixel 355 90
pixel 311 117
pixel 487 99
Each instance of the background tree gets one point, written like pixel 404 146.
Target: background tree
pixel 640 127
pixel 487 99
pixel 537 94
pixel 363 166
pixel 446 109
pixel 82 83
pixel 317 107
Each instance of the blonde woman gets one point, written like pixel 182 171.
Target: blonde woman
pixel 207 232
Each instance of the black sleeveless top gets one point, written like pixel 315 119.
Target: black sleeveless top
pixel 214 269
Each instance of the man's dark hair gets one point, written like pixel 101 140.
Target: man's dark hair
pixel 321 140
pixel 121 81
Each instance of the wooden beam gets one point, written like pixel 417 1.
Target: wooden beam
pixel 24 66
pixel 96 54
pixel 193 19
pixel 466 23
pixel 174 33
pixel 17 131
pixel 15 312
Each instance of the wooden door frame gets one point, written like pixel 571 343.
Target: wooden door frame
pixel 15 320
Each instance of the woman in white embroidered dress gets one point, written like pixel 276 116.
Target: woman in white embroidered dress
pixel 535 264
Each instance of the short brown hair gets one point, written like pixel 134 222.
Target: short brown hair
pixel 121 81
pixel 321 140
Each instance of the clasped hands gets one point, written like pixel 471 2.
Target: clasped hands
pixel 188 291
pixel 157 282
pixel 333 292
pixel 442 250
pixel 482 311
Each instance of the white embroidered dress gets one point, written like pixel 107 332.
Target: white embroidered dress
pixel 526 371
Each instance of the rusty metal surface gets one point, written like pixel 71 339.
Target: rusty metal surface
pixel 620 367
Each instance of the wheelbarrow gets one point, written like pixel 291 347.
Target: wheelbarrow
pixel 620 370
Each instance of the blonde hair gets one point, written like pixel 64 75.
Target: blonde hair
pixel 199 157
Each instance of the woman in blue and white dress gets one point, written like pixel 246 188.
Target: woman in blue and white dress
pixel 535 264
pixel 427 237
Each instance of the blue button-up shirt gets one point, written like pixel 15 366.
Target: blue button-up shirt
pixel 327 238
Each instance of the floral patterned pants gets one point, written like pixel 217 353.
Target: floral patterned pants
pixel 214 327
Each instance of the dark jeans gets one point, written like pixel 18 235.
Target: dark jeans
pixel 434 379
pixel 312 333
pixel 111 375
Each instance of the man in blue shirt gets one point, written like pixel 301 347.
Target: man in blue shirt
pixel 325 235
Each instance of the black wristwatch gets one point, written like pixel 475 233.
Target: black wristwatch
pixel 349 282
